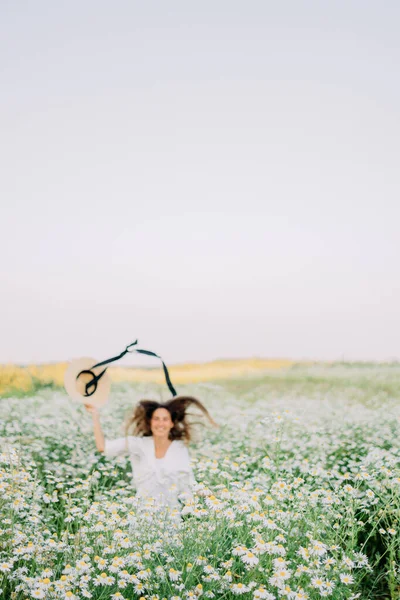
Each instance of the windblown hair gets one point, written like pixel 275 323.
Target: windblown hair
pixel 139 423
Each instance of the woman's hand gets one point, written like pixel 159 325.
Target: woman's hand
pixel 91 409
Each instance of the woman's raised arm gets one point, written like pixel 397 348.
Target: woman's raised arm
pixel 98 432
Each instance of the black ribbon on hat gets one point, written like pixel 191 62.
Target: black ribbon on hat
pixel 96 378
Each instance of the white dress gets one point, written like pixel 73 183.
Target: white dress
pixel 163 479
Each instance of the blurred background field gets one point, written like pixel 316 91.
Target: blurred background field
pixel 378 380
pixel 25 379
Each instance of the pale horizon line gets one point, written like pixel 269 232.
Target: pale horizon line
pixel 305 360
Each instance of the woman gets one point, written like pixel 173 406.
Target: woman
pixel 159 457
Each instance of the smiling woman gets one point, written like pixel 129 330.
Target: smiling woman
pixel 158 453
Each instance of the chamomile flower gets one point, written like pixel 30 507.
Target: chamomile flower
pixel 174 575
pixel 249 558
pixel 239 588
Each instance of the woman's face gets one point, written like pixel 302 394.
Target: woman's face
pixel 161 422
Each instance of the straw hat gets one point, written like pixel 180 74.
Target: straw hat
pixel 79 373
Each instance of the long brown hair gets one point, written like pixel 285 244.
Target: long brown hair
pixel 139 422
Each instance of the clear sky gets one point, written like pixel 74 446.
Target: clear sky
pixel 217 179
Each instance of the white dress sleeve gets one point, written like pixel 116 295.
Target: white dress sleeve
pixel 122 445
